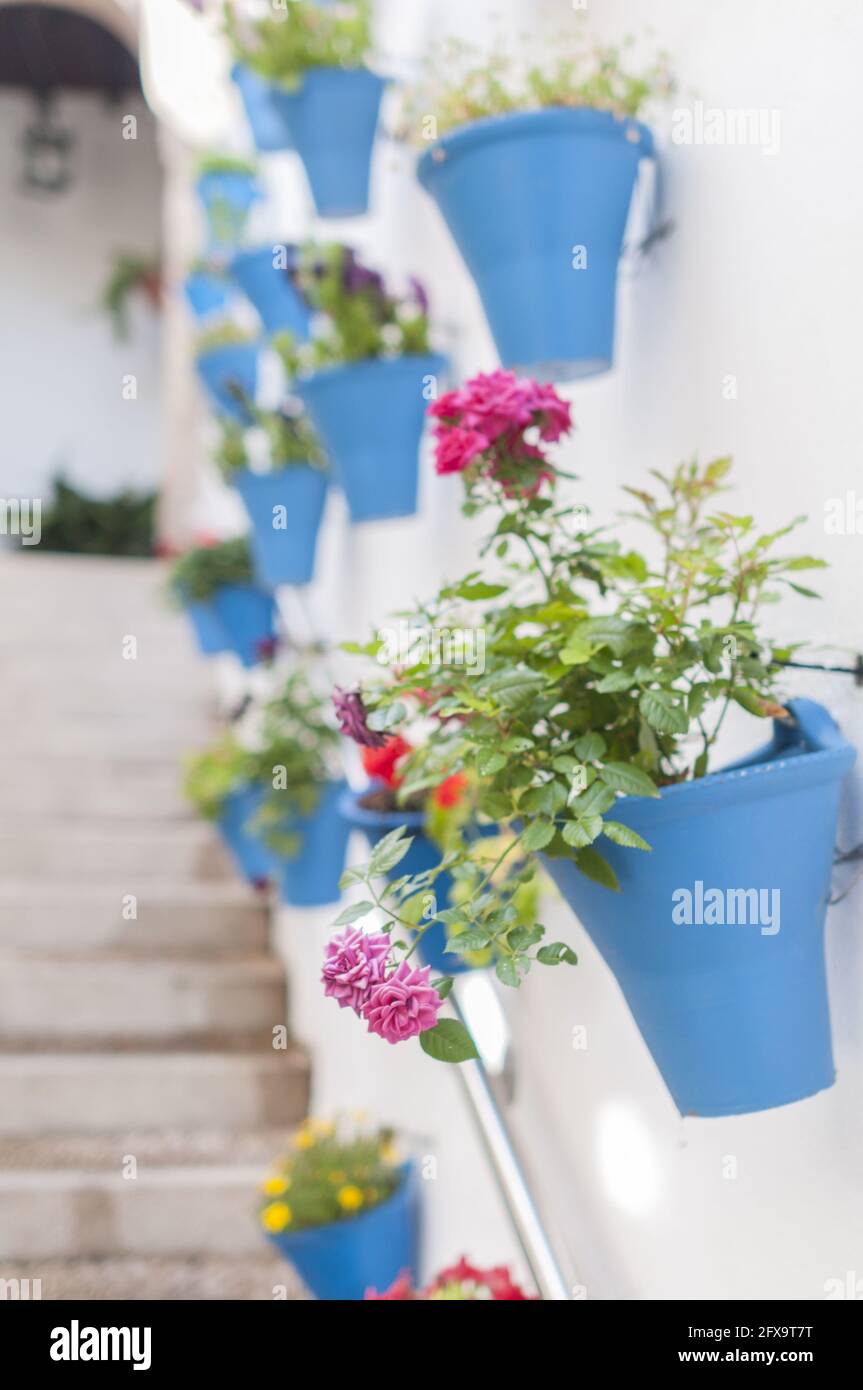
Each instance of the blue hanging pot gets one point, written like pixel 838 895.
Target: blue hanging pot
pixel 537 203
pixel 342 1261
pixel 205 293
pixel 207 626
pixel 285 508
pixel 332 118
pixel 250 854
pixel 269 131
pixel 370 417
pixel 227 198
pixel 423 855
pixel 271 292
pixel 248 615
pixel 235 365
pixel 311 878
pixel 736 1016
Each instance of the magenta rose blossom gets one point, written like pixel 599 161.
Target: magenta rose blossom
pixel 353 963
pixel 456 448
pixel 402 1005
pixel 489 417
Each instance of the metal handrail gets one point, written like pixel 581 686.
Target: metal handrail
pixel 479 1089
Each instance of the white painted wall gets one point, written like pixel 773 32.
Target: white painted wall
pixel 762 280
pixel 62 381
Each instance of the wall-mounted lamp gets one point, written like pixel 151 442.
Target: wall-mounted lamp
pixel 46 147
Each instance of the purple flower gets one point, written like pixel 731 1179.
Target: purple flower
pixel 402 1005
pixel 353 963
pixel 351 714
pixel 419 294
pixel 357 277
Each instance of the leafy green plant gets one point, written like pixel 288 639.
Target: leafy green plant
pixel 464 85
pixel 130 274
pixel 304 35
pixel 219 335
pixel 298 754
pixel 212 775
pixel 76 523
pixel 290 437
pixel 196 576
pixel 607 672
pixel 217 163
pixel 334 1172
pixel 360 317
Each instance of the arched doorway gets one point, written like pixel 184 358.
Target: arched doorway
pixel 81 187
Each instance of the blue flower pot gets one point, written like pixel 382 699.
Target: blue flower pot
pixel 227 199
pixel 332 118
pixel 521 194
pixel 234 365
pixel 269 131
pixel 342 1261
pixel 736 1016
pixel 285 509
pixel 250 854
pixel 208 627
pixel 423 855
pixel 248 615
pixel 205 294
pixel 272 293
pixel 311 879
pixel 370 417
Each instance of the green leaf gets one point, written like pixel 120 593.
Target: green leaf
pixel 576 652
pixel 538 834
pixel 593 866
pixel 444 986
pixel 463 942
pixel 624 835
pixel 627 778
pixel 511 972
pixel 582 832
pixel 616 681
pixel 664 712
pixel 382 719
pixel 590 746
pixel 473 590
pixel 556 953
pixel 389 851
pixel 354 913
pixel 489 761
pixel 448 1041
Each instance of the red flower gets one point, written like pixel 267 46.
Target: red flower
pixel 380 763
pixel 399 1291
pixel 450 791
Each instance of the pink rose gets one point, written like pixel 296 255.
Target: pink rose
pixel 456 448
pixel 354 962
pixel 402 1005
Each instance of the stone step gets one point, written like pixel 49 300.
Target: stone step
pixel 114 739
pixel 99 997
pixel 133 1193
pixel 82 787
pixel 44 917
pixel 77 1093
pixel 211 1278
pixel 56 848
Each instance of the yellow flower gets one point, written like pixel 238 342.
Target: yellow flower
pixel 337 1175
pixel 390 1153
pixel 304 1139
pixel 324 1129
pixel 276 1185
pixel 349 1198
pixel 276 1216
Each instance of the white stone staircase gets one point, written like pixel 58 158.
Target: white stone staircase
pixel 141 1096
